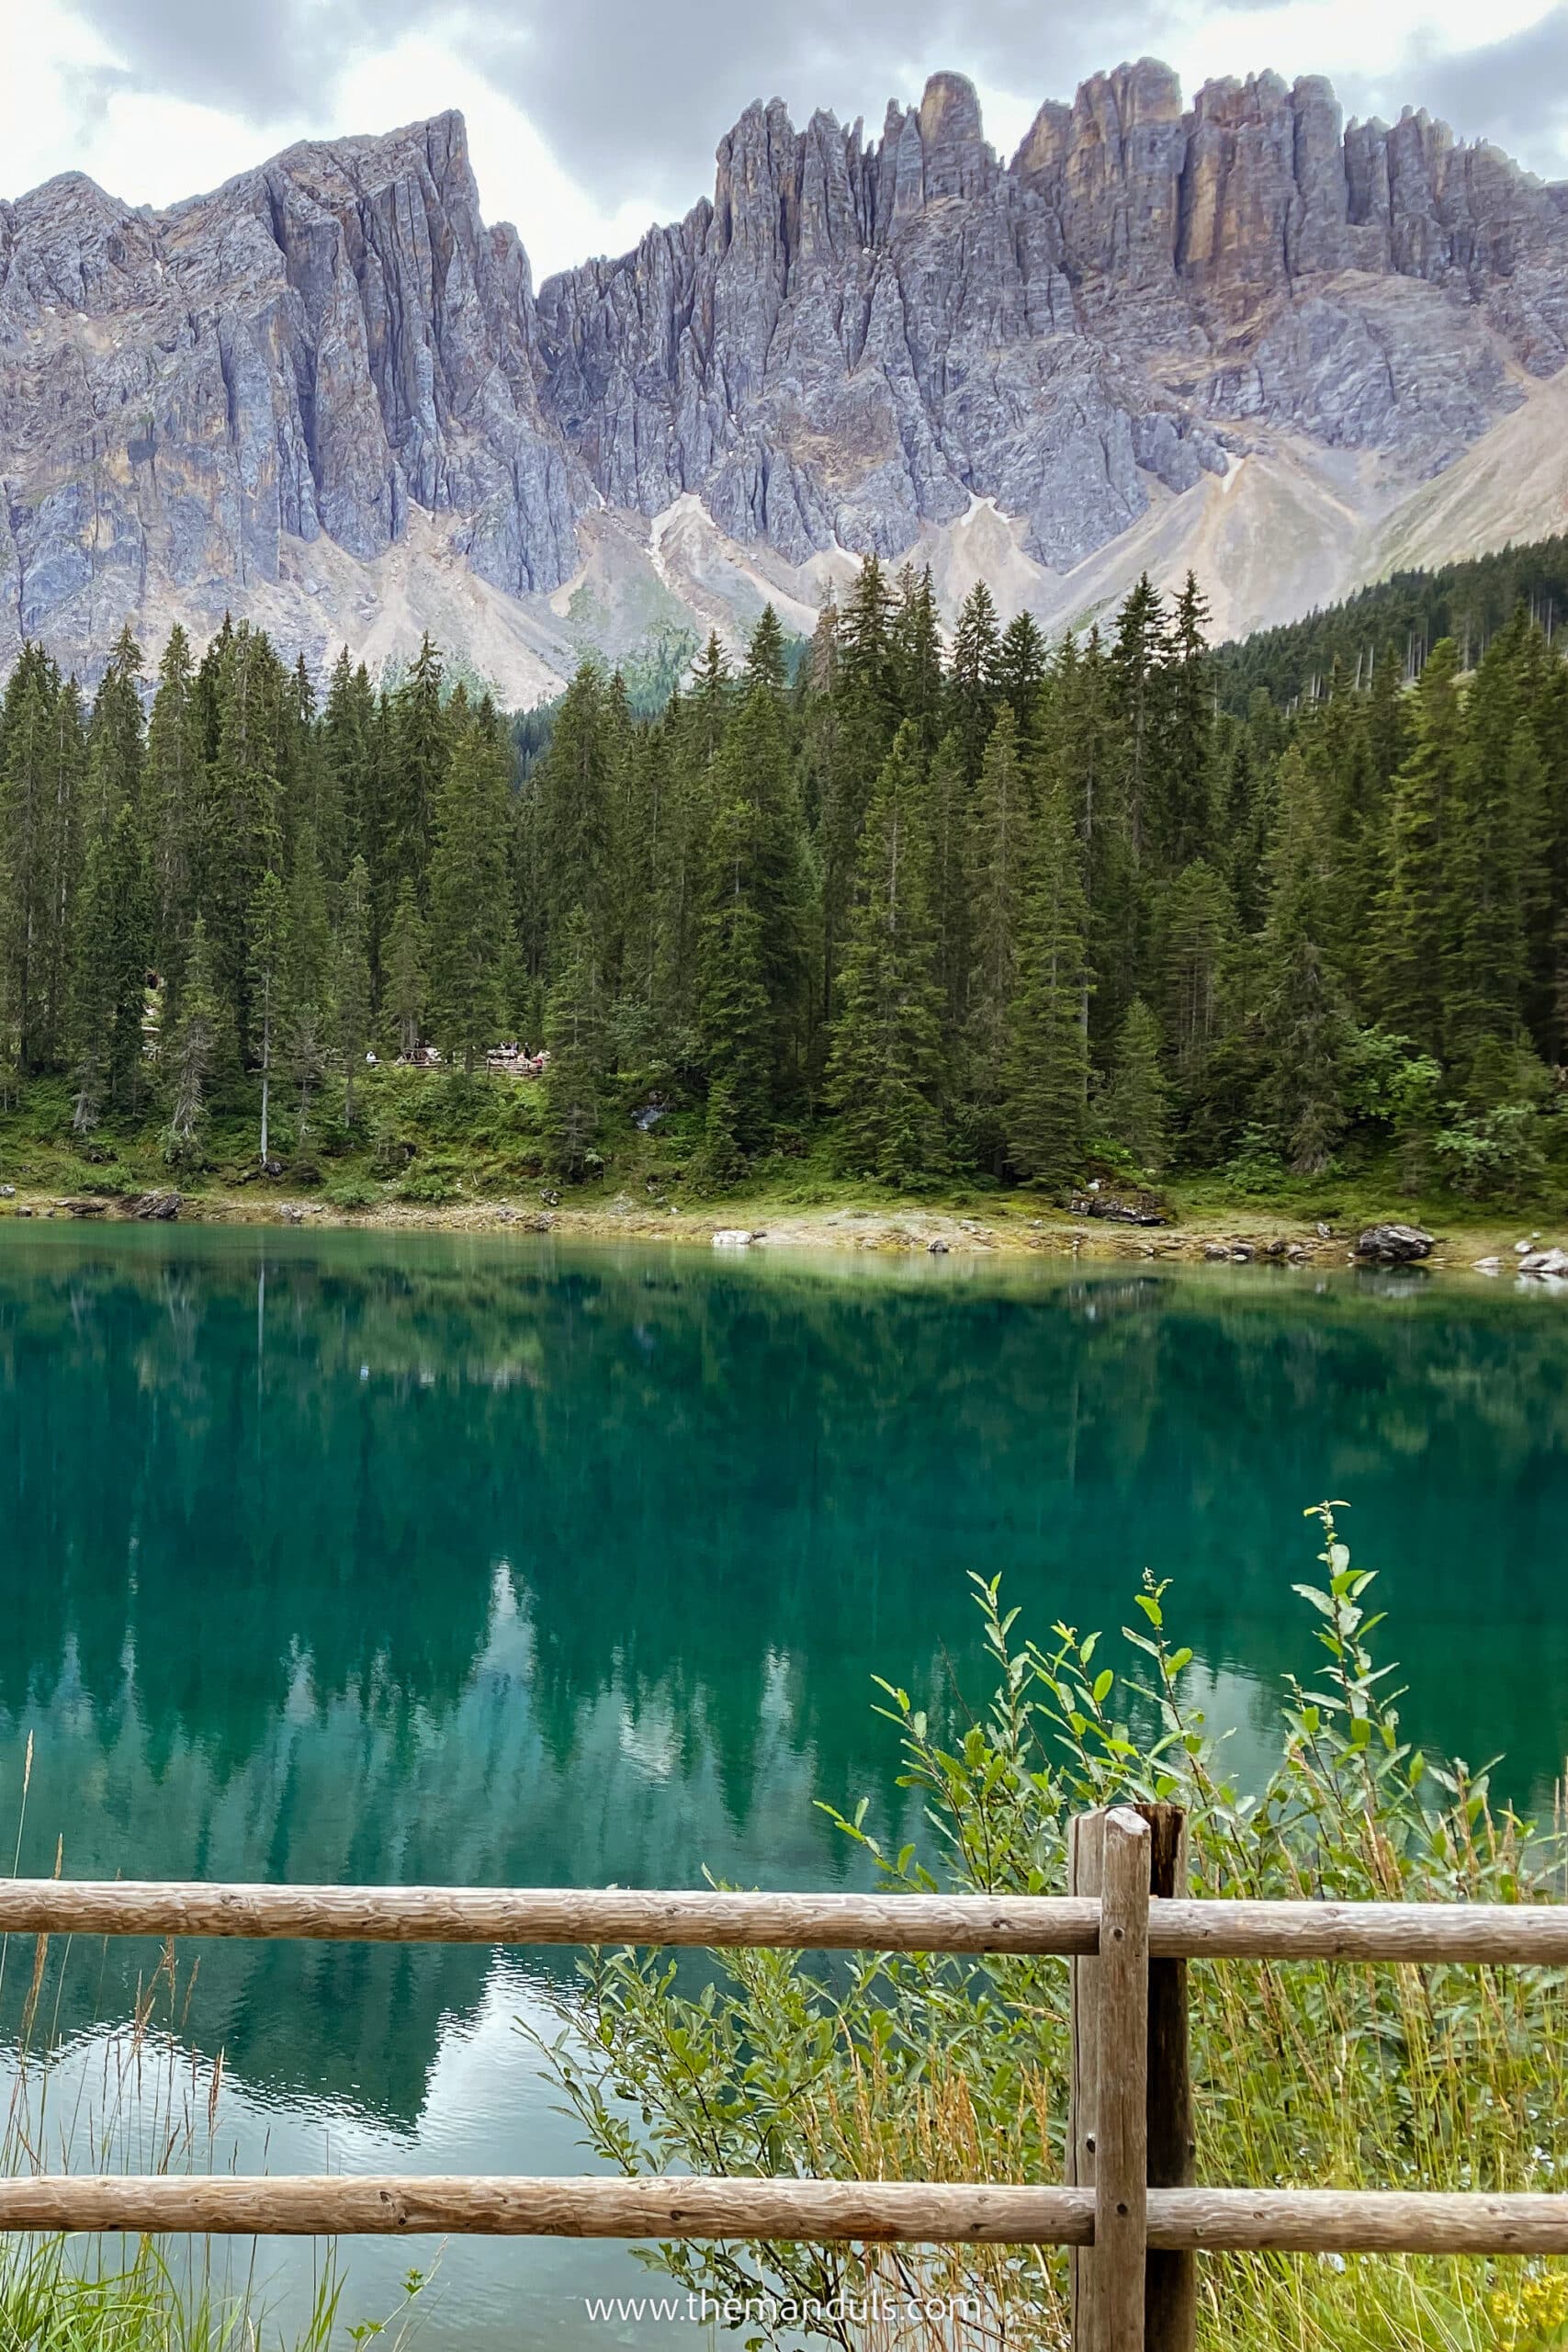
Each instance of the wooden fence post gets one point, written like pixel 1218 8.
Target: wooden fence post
pixel 1108 2127
pixel 1170 2292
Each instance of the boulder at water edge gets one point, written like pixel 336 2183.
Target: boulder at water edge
pixel 1395 1245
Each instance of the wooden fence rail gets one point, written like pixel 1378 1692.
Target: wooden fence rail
pixel 1128 2212
pixel 1522 1935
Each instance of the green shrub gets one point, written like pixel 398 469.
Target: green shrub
pixel 1305 2073
pixel 351 1192
pixel 432 1185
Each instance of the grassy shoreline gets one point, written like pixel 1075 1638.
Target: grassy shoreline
pixel 456 1154
pixel 1013 1225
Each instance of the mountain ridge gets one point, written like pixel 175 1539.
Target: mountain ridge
pixel 1240 333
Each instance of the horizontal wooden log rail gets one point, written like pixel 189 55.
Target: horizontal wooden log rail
pixel 1518 1935
pixel 550 1916
pixel 1189 2220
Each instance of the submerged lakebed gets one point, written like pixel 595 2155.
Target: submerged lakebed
pixel 371 1557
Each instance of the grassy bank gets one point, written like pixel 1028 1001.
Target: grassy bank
pixel 446 1151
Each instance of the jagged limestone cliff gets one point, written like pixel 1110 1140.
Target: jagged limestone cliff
pixel 1238 334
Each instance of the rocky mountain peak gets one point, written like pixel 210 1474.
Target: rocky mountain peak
pixel 260 397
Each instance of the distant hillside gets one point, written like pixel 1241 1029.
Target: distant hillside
pixel 1400 618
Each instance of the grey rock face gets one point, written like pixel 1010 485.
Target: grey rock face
pixel 855 339
pixel 302 354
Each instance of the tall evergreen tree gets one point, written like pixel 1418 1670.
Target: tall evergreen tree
pixel 194 1050
pixel 352 981
pixel 886 1075
pixel 405 991
pixel 572 1079
pixel 470 910
pixel 1410 918
pixel 110 982
pixel 1044 1109
pixel 1136 1113
pixel 999 853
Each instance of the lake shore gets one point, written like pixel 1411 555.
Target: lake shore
pixel 1240 1234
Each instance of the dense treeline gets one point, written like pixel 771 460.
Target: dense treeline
pixel 1400 618
pixel 983 905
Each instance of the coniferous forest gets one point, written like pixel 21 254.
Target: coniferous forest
pixel 933 905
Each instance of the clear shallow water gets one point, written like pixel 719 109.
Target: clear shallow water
pixel 363 1557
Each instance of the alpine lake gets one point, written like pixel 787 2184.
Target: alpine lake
pixel 374 1558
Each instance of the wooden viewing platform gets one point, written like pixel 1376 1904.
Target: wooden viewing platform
pixel 1129 2208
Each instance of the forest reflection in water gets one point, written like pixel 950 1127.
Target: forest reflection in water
pixel 361 1558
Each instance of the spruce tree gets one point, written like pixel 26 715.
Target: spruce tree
pixel 572 1079
pixel 1186 781
pixel 419 744
pixel 267 934
pixel 114 734
pixel 194 1050
pixel 886 1076
pixel 1141 700
pixel 1309 1036
pixel 974 688
pixel 351 982
pixel 307 1010
pixel 1410 919
pixel 997 864
pixel 1044 1107
pixel 1135 1110
pixel 1021 662
pixel 109 982
pixel 172 799
pixel 405 989
pixel 470 908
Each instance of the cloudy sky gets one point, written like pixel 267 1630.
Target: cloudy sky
pixel 588 118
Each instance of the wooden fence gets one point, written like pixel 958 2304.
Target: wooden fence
pixel 1128 2210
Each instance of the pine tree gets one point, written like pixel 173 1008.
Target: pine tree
pixel 307 1013
pixel 1044 1108
pixel 470 910
pixel 1021 662
pixel 172 795
pixel 1410 918
pixel 572 1079
pixel 864 720
pixel 194 1050
pixel 109 981
pixel 998 862
pixel 574 787
pixel 419 744
pixel 736 1026
pixel 239 834
pixel 351 983
pixel 1308 1033
pixel 115 738
pixel 1186 827
pixel 405 991
pixel 1140 687
pixel 914 654
pixel 885 1074
pixel 973 687
pixel 267 933
pixel 348 733
pixel 1136 1105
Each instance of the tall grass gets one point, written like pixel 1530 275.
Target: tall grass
pixel 136 2099
pixel 1305 2075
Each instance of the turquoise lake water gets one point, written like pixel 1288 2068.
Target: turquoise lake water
pixel 363 1557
